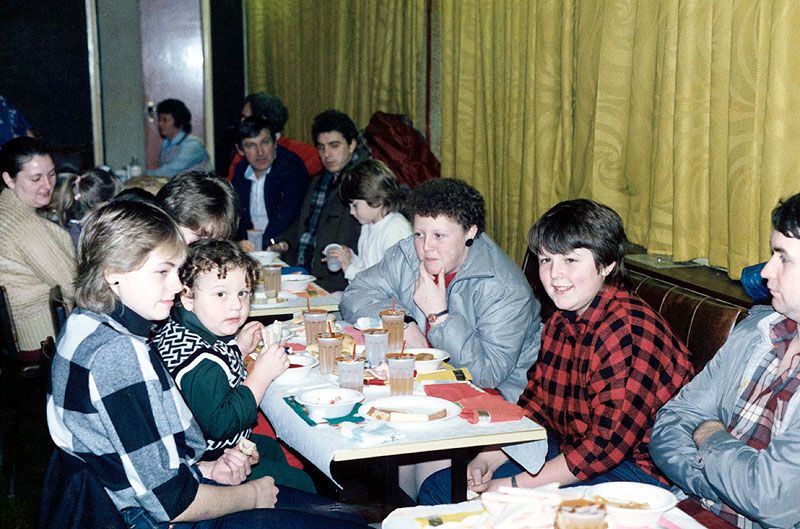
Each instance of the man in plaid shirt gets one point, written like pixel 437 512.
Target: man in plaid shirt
pixel 731 437
pixel 607 363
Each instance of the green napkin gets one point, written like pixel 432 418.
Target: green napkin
pixel 301 411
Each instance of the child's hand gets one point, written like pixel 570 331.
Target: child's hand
pixel 344 255
pixel 270 364
pixel 248 337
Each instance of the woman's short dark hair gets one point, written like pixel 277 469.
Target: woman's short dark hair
pixel 582 223
pixel 452 198
pixel 201 202
pixel 206 255
pixel 786 217
pixel 372 181
pixel 15 153
pixel 135 194
pixel 334 121
pixel 269 107
pixel 179 112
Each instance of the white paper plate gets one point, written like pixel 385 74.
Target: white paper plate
pixel 260 301
pixel 264 257
pixel 414 404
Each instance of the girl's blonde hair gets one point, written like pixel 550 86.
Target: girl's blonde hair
pixel 118 238
pixel 79 194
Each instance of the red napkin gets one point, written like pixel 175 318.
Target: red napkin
pixel 475 404
pixel 497 408
pixel 452 392
pixel 296 347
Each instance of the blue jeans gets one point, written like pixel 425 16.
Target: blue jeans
pixel 436 489
pixel 295 508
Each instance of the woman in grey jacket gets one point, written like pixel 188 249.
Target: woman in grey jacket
pixel 461 291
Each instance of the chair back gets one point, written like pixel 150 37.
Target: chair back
pixel 8 336
pixel 59 309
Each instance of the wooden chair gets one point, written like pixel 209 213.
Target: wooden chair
pixel 16 373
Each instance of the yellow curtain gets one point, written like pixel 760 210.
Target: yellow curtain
pixel 358 56
pixel 681 115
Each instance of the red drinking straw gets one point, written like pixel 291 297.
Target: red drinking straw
pixel 308 303
pixel 403 348
pixel 354 351
pixel 393 302
pixel 330 330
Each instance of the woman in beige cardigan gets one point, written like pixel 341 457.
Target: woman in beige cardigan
pixel 35 254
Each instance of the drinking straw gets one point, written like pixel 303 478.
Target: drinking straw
pixel 403 348
pixel 308 303
pixel 354 351
pixel 393 302
pixel 330 330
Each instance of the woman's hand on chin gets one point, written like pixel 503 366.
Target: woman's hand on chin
pixel 430 292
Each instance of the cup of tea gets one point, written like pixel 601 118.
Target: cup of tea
pixel 393 321
pixel 314 321
pixel 351 372
pixel 376 343
pixel 401 373
pixel 330 347
pixel 271 277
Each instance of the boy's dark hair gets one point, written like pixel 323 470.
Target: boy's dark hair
pixel 333 120
pixel 206 255
pixel 179 112
pixel 252 127
pixel 786 217
pixel 201 202
pixel 582 223
pixel 452 198
pixel 372 181
pixel 269 107
pixel 135 194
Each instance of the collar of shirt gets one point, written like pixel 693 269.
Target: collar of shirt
pixel 251 175
pixel 131 320
pixel 190 320
pixel 174 141
pixel 596 311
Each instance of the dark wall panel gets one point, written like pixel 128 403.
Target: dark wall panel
pixel 44 67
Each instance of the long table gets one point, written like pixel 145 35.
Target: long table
pixel 456 439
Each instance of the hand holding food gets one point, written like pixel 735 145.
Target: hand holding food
pixel 248 337
pixel 271 362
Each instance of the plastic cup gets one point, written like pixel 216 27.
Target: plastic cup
pixel 334 265
pixel 330 347
pixel 314 321
pixel 351 372
pixel 393 321
pixel 271 277
pixel 256 238
pixel 376 343
pixel 401 374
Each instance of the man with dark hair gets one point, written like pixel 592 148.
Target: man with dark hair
pixel 271 185
pixel 731 437
pixel 179 151
pixel 325 218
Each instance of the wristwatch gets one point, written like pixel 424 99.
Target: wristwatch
pixel 433 317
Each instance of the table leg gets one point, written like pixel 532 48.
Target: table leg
pixel 458 474
pixel 392 489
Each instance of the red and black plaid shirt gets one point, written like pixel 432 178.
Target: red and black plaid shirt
pixel 600 379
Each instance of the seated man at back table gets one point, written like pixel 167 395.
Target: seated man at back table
pixel 732 435
pixel 325 218
pixel 179 150
pixel 271 186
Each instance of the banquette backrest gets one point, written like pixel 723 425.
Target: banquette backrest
pixel 701 321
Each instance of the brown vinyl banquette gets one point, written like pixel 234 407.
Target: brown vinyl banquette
pixel 702 321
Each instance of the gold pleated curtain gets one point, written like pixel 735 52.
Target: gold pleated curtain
pixel 681 115
pixel 357 56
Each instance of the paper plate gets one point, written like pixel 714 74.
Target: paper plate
pixel 419 404
pixel 260 302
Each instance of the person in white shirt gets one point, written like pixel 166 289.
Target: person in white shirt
pixel 375 199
